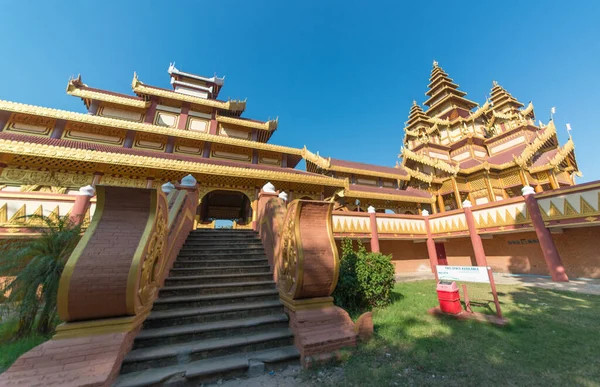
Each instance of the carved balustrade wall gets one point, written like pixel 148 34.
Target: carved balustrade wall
pixel 17 208
pixel 574 206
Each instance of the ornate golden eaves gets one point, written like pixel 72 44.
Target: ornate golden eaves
pixel 536 144
pixel 325 164
pixel 319 161
pixel 94 156
pixel 141 127
pixel 231 105
pixel 558 158
pixel 349 193
pixel 74 90
pixel 432 162
pixel 270 125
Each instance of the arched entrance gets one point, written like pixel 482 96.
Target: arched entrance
pixel 224 208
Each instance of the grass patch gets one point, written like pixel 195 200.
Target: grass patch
pixel 552 339
pixel 10 349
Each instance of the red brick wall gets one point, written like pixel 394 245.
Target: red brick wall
pixel 407 256
pixel 99 281
pixel 578 248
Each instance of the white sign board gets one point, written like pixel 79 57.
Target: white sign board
pixel 463 273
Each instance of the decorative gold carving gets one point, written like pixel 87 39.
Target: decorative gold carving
pixel 141 127
pixel 150 141
pixel 22 148
pixel 187 146
pixel 32 125
pixel 123 181
pixel 58 181
pixel 153 263
pixel 290 256
pixel 269 158
pixel 93 133
pixel 220 151
pixel 121 112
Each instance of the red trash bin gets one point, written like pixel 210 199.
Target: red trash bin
pixel 449 297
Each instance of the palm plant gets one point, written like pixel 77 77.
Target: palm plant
pixel 37 265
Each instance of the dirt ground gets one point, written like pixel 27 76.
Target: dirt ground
pixel 291 376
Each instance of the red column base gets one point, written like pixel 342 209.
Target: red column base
pixel 320 333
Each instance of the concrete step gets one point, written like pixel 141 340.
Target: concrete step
pixel 220 238
pixel 218 278
pixel 222 288
pixel 212 263
pixel 208 330
pixel 223 250
pixel 173 354
pixel 230 311
pixel 209 369
pixel 219 270
pixel 213 245
pixel 176 302
pixel 224 233
pixel 199 253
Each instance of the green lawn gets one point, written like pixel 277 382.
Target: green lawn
pixel 553 339
pixel 11 349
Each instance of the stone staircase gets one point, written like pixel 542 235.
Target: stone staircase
pixel 218 315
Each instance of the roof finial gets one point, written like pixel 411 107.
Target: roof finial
pixel 414 102
pixel 494 83
pixel 435 63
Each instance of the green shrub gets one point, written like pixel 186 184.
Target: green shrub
pixel 365 280
pixel 375 275
pixel 347 292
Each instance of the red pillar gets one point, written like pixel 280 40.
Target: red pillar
pixel 374 233
pixel 431 250
pixel 475 238
pixel 82 203
pixel 553 260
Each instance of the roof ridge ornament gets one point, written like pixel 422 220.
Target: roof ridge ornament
pixel 435 63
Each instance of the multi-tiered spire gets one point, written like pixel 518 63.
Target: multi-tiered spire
pixel 503 101
pixel 443 91
pixel 416 116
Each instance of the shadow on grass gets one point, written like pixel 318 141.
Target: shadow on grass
pixel 552 339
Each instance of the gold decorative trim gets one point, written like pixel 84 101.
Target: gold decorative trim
pixel 306 304
pixel 270 125
pixel 334 249
pixel 141 127
pixel 231 105
pixel 55 152
pixel 75 91
pixel 99 327
pixel 136 262
pixel 324 163
pixel 65 278
pixel 374 195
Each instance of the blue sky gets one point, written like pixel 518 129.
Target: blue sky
pixel 341 75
